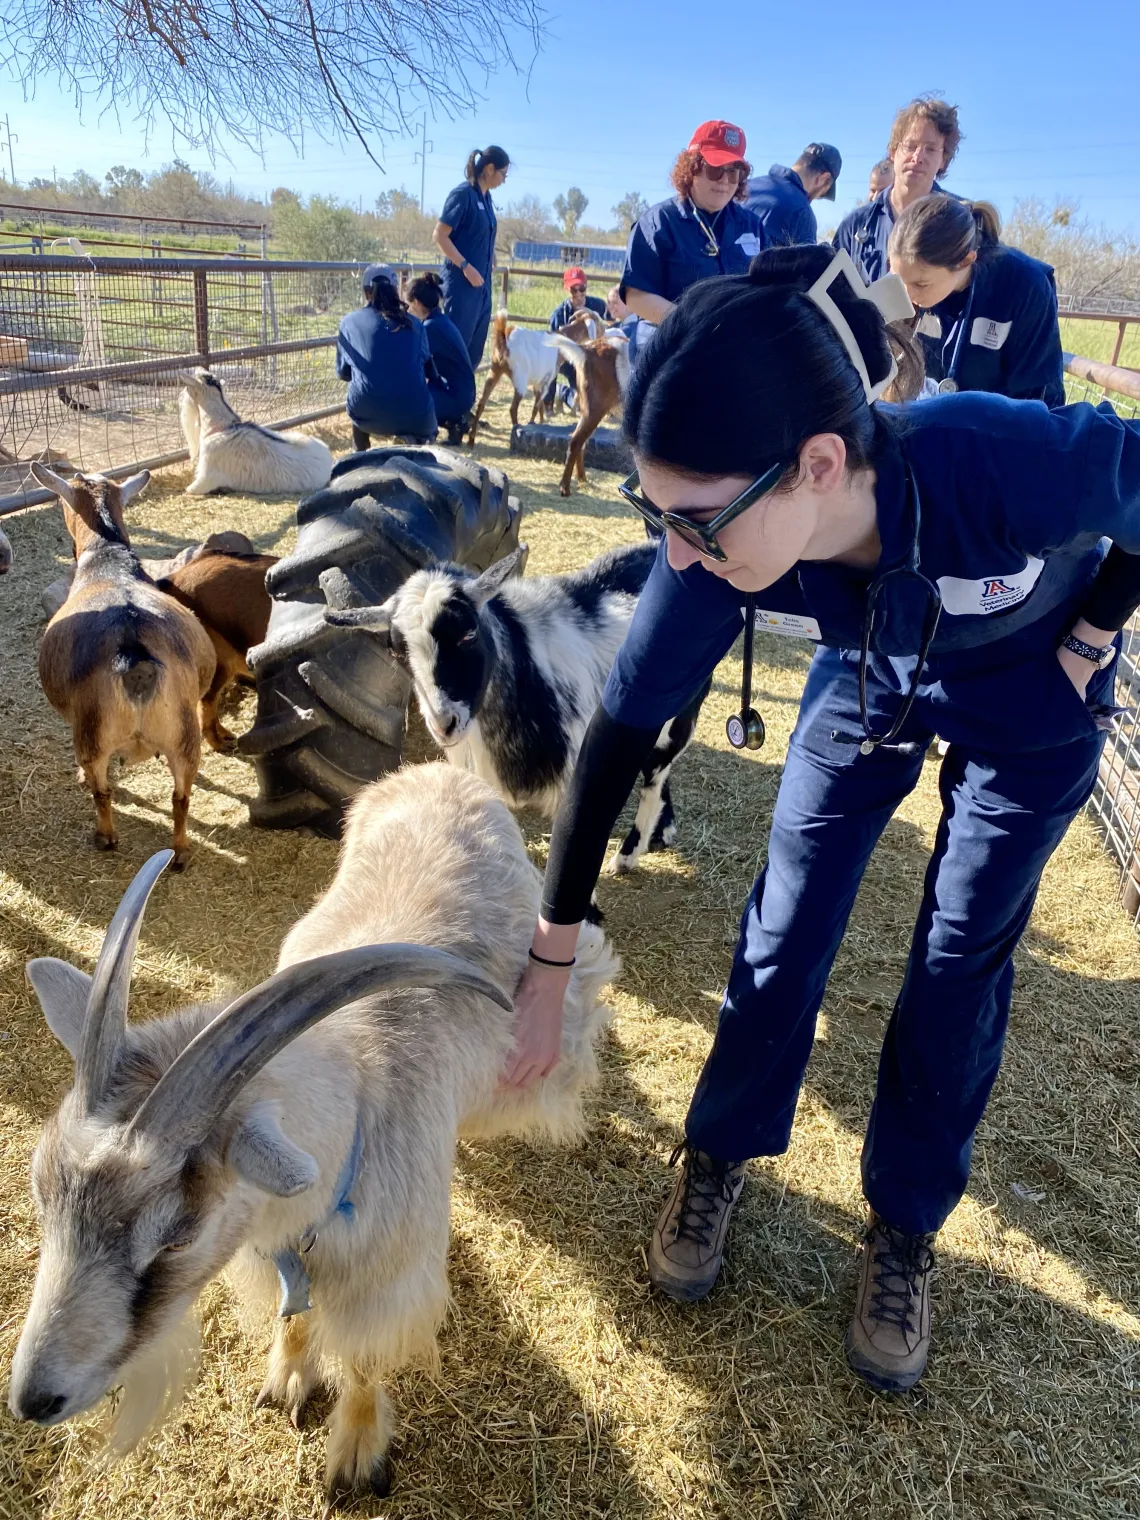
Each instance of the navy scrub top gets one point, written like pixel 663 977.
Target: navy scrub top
pixel 1000 333
pixel 866 231
pixel 452 361
pixel 385 369
pixel 565 312
pixel 470 214
pixel 780 201
pixel 668 252
pixel 1014 502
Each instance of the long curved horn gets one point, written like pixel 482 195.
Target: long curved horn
pixel 106 1018
pixel 197 1089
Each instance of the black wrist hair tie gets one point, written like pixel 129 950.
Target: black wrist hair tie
pixel 542 961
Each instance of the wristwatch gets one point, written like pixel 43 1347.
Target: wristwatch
pixel 464 265
pixel 1098 655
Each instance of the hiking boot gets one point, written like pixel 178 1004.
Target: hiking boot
pixel 687 1244
pixel 888 1340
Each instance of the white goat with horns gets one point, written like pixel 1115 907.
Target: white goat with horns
pixel 231 455
pixel 311 1125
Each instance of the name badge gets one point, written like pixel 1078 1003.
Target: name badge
pixel 789 623
pixel 986 333
pixel 749 243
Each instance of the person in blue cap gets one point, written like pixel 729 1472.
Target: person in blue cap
pixel 383 353
pixel 924 140
pixel 451 380
pixel 987 312
pixel 465 235
pixel 782 198
pixel 948 559
pixel 704 230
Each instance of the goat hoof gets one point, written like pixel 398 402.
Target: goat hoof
pixel 222 740
pixel 181 858
pixel 622 865
pixel 343 1491
pixel 105 841
pixel 381 1478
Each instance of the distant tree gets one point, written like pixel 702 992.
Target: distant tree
pixel 630 209
pixel 529 217
pixel 223 70
pixel 325 229
pixel 400 225
pixel 119 178
pixel 569 209
pixel 1089 259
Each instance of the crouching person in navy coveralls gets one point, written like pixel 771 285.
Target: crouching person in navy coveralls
pixel 987 313
pixel 923 142
pixel 703 231
pixel 948 558
pixel 465 235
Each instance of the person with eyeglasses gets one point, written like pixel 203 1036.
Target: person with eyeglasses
pixel 948 560
pixel 924 139
pixel 575 284
pixel 465 235
pixel 703 230
pixel 987 313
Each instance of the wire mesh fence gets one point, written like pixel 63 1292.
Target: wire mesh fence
pixel 1115 802
pixel 91 350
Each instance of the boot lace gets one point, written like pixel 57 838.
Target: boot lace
pixel 708 1185
pixel 903 1262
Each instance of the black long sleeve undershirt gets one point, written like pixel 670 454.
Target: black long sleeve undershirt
pixel 1115 593
pixel 611 756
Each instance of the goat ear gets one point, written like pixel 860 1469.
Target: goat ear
pixel 129 489
pixel 62 991
pixel 495 575
pixel 53 482
pixel 263 1154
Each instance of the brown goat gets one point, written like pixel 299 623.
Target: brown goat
pixel 121 660
pixel 601 368
pixel 527 362
pixel 226 592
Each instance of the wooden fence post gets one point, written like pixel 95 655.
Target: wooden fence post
pixel 506 281
pixel 201 316
pixel 1121 329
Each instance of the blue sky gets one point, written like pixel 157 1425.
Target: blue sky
pixel 1046 108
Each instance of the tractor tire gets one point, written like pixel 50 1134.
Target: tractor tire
pixel 331 701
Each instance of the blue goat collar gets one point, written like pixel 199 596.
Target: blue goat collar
pixel 291 1270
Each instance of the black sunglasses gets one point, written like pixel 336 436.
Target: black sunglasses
pixel 700 536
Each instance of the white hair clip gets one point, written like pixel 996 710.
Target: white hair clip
pixel 888 294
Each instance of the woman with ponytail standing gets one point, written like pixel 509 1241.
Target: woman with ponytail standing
pixel 383 353
pixel 987 313
pixel 451 379
pixel 465 235
pixel 948 561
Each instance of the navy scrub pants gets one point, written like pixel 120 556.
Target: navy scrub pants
pixel 469 307
pixel 1002 817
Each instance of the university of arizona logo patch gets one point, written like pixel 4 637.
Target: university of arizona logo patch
pixel 993 593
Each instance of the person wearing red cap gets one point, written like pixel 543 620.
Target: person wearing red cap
pixel 703 230
pixel 574 283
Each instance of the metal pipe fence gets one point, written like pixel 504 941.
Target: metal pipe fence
pixel 1115 802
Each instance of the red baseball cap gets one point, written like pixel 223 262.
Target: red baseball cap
pixel 718 143
pixel 574 276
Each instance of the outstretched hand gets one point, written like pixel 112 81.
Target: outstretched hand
pixel 538 1025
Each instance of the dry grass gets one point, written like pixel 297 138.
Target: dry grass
pixel 566 1389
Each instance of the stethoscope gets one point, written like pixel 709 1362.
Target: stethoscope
pixel 712 247
pixel 745 729
pixel 949 385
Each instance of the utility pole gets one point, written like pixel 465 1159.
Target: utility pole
pixel 421 158
pixel 12 137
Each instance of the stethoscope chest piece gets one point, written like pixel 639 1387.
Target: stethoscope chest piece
pixel 947 387
pixel 746 730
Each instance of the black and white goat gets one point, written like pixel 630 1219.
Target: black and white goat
pixel 231 455
pixel 509 672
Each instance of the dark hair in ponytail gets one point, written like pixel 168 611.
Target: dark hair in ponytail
pixel 943 231
pixel 498 158
pixel 745 369
pixel 385 298
pixel 425 289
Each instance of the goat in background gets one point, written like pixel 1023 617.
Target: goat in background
pixel 601 369
pixel 121 660
pixel 231 455
pixel 528 356
pixel 317 1114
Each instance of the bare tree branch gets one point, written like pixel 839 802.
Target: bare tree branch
pixel 219 71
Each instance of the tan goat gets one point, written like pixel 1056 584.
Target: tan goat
pixel 601 368
pixel 121 660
